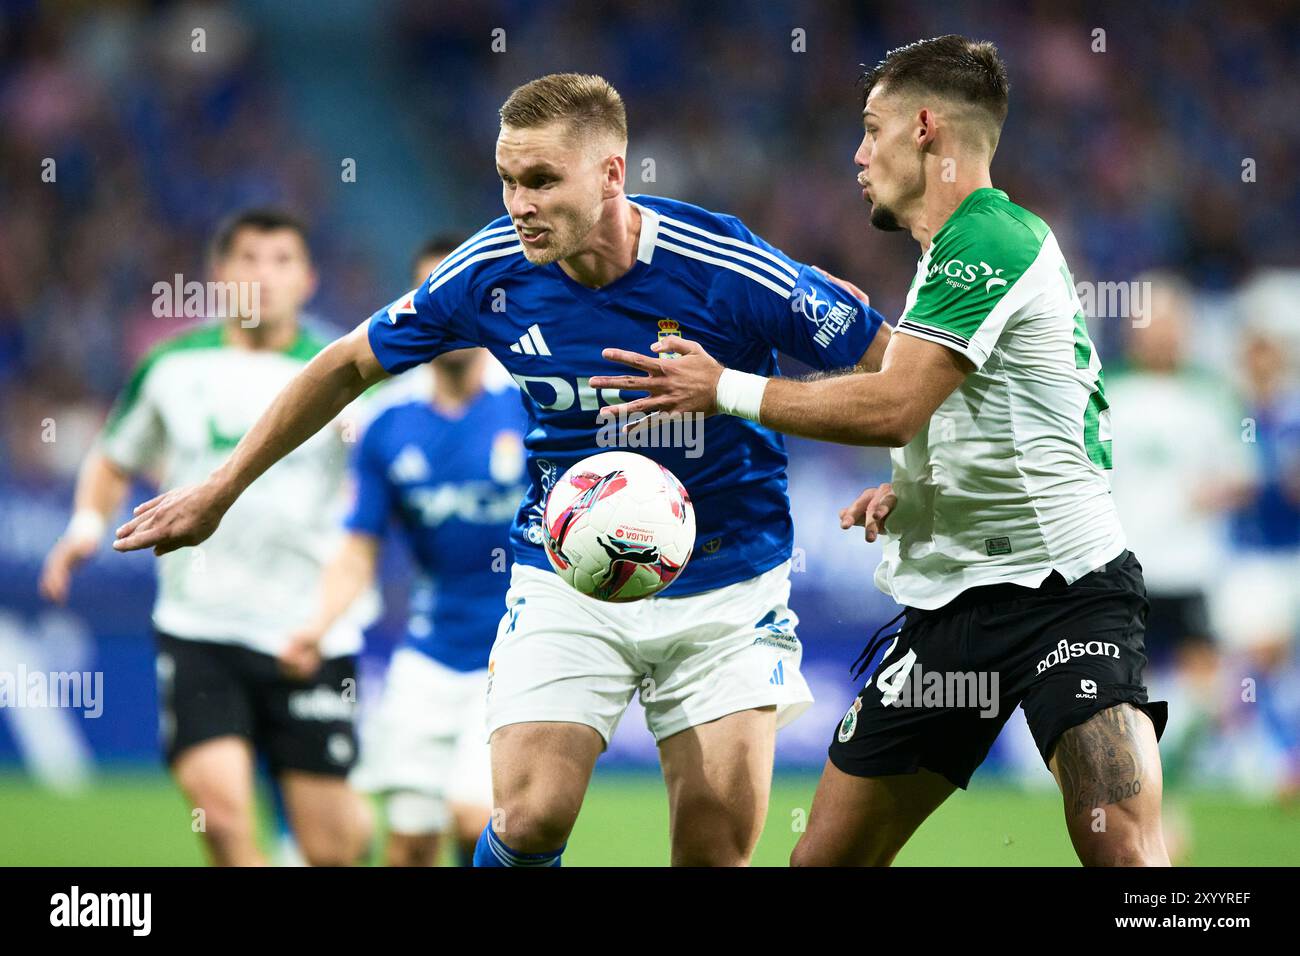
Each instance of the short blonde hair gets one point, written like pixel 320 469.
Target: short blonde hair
pixel 590 103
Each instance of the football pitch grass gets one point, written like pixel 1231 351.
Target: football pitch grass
pixel 137 818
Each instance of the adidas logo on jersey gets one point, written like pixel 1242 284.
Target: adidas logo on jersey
pixel 410 465
pixel 531 342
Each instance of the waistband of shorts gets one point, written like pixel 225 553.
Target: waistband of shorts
pixel 1002 593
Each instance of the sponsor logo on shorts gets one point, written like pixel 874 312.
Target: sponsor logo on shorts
pixel 850 722
pixel 319 703
pixel 1064 651
pixel 1088 690
pixel 778 634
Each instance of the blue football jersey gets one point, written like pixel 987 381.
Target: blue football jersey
pixel 452 485
pixel 699 274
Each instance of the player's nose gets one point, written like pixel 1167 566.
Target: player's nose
pixel 862 158
pixel 520 206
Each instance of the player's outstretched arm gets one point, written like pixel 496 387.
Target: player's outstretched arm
pixel 883 408
pixel 864 408
pixel 187 516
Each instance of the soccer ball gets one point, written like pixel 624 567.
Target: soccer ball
pixel 619 527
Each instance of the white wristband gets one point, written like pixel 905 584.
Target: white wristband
pixel 740 394
pixel 87 525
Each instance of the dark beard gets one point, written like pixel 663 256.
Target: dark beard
pixel 884 219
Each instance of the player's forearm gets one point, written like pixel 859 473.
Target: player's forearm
pixel 345 578
pixel 101 486
pixel 857 409
pixel 307 404
pixel 874 358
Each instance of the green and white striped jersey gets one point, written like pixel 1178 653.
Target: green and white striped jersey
pixel 256 579
pixel 1009 479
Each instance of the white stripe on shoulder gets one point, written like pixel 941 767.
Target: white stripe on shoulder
pixel 781 277
pixel 488 237
pixel 645 248
pixel 728 241
pixel 734 266
pixel 491 254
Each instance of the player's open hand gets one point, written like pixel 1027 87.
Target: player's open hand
pixel 181 518
pixel 685 384
pixel 64 558
pixel 870 510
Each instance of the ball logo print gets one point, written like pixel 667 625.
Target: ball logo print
pixel 618 527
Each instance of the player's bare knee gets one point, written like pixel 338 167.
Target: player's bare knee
pixel 714 847
pixel 329 845
pixel 412 849
pixel 707 832
pixel 220 818
pixel 535 822
pixel 227 827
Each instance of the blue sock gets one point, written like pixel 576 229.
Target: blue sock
pixel 490 851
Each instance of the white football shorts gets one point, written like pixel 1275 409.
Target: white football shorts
pixel 562 656
pixel 424 746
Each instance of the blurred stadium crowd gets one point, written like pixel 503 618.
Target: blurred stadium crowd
pixel 1166 141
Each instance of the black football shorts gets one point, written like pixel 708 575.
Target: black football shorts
pixel 951 677
pixel 208 689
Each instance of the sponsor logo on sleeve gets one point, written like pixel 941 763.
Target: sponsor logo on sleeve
pixel 831 320
pixel 403 306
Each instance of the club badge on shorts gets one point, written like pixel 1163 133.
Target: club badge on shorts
pixel 850 722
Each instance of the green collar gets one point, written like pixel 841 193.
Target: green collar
pixel 973 199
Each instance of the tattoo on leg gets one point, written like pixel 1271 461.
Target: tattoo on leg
pixel 1100 761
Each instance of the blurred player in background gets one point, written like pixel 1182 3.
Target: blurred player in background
pixel 1256 605
pixel 449 469
pixel 1003 545
pixel 578 264
pixel 1181 466
pixel 1174 493
pixel 224 612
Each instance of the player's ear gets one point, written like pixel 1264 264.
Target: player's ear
pixel 924 130
pixel 615 175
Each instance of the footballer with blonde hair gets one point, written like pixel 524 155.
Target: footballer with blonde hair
pixel 575 265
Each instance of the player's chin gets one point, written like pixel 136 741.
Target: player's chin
pixel 882 217
pixel 543 255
